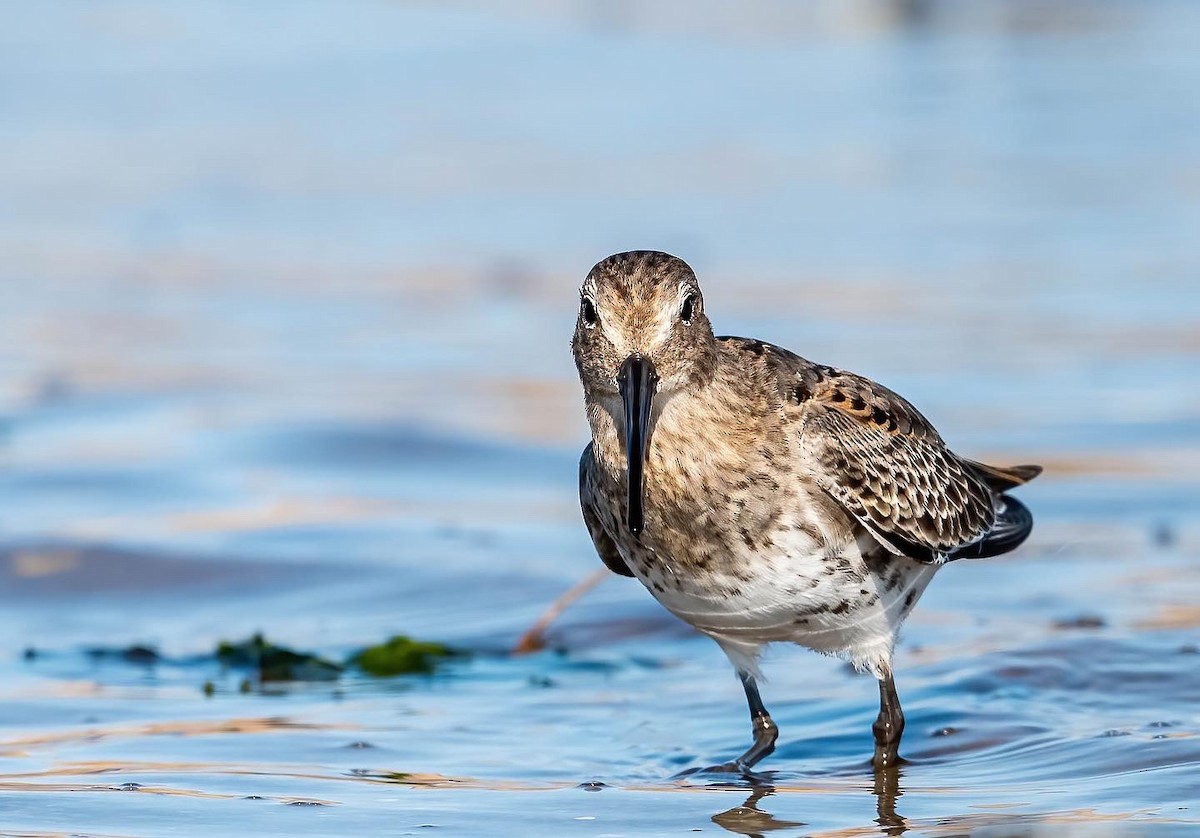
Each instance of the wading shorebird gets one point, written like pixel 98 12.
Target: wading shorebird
pixel 761 497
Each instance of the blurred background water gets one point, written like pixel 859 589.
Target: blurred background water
pixel 286 294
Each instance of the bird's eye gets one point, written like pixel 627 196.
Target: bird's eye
pixel 688 308
pixel 589 312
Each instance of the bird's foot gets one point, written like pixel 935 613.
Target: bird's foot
pixel 723 768
pixel 735 768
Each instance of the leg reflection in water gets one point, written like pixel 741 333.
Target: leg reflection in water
pixel 887 792
pixel 748 819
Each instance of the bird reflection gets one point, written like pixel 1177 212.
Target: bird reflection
pixel 887 791
pixel 752 821
pixel 748 819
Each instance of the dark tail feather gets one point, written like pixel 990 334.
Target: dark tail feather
pixel 1003 479
pixel 1014 522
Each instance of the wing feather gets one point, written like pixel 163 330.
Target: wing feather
pixel 606 548
pixel 877 456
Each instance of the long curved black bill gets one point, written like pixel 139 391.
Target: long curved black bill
pixel 637 380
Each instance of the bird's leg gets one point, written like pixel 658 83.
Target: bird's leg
pixel 764 729
pixel 889 726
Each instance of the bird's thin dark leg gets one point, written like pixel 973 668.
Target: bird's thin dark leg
pixel 764 729
pixel 889 726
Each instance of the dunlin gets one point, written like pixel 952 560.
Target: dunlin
pixel 762 497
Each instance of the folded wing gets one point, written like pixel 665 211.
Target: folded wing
pixel 877 456
pixel 605 546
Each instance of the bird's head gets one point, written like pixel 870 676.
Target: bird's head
pixel 641 337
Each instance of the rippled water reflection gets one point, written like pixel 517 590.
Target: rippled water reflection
pixel 283 348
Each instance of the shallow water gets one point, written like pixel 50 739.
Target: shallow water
pixel 286 295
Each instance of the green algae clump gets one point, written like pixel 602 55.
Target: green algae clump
pixel 276 663
pixel 401 655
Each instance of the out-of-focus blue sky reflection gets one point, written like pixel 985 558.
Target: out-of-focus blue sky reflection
pixel 285 296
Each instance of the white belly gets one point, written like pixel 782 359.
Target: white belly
pixel 836 604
